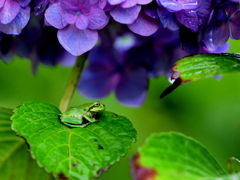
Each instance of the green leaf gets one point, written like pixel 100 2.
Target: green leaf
pixel 199 66
pixel 15 162
pixel 74 153
pixel 206 65
pixel 171 156
pixel 233 165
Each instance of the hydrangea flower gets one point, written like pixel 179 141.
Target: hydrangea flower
pixel 77 22
pixel 42 47
pixel 124 63
pixel 115 72
pixel 168 19
pixel 14 16
pixel 134 15
pixel 225 23
pixel 191 17
pixel 139 39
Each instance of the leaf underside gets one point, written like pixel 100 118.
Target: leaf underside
pixel 171 156
pixel 200 66
pixel 73 153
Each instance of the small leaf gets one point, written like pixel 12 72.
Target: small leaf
pixel 73 153
pixel 171 156
pixel 15 162
pixel 199 66
pixel 233 165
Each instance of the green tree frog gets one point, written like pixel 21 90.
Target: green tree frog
pixel 74 116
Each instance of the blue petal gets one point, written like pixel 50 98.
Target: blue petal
pixel 18 23
pixel 188 18
pixel 144 25
pixel 132 87
pixel 54 17
pixel 125 16
pixel 220 33
pixel 97 83
pixel 100 77
pixel 77 41
pixel 9 11
pixel 168 19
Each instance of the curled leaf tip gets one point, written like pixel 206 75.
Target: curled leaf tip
pixel 173 86
pixel 140 172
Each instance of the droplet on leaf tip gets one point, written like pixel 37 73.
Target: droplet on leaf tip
pixel 169 89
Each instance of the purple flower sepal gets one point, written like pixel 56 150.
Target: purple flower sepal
pixel 107 72
pixel 173 5
pixel 138 19
pixel 40 6
pixel 144 25
pixel 193 18
pixel 128 3
pixel 226 24
pixel 168 19
pixel 14 16
pixel 78 22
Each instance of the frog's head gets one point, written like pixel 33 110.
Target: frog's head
pixel 97 106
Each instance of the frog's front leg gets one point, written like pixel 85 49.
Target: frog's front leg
pixel 89 117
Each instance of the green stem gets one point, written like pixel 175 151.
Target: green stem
pixel 72 83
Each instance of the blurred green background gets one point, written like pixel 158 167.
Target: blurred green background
pixel 207 110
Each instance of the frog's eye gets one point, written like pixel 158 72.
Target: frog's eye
pixel 97 105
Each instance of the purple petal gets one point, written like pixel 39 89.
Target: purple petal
pixel 53 16
pixel 77 41
pixel 107 61
pixel 102 4
pixel 96 85
pixel 173 5
pixel 115 2
pixel 220 33
pixel 223 49
pixel 132 87
pixel 74 6
pixel 217 49
pixel 188 18
pixel 20 21
pixel 100 77
pixel 108 7
pixel 204 12
pixel 2 3
pixel 70 18
pixel 235 26
pixel 232 8
pixel 40 6
pixel 97 18
pixel 82 22
pixel 168 19
pixel 144 2
pixel 144 25
pixel 67 59
pixel 23 3
pixel 9 11
pixel 151 11
pixel 125 16
pixel 129 3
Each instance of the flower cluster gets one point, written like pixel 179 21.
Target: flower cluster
pixel 129 41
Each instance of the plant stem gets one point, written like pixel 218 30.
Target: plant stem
pixel 72 83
